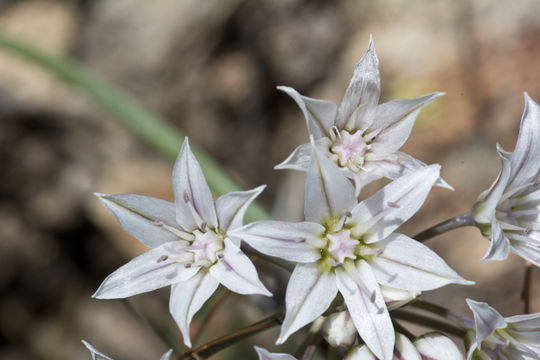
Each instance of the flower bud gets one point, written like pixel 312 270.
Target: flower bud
pixel 338 329
pixel 396 298
pixel 435 345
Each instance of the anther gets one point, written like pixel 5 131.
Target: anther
pixel 157 223
pixel 300 240
pixel 186 196
pixel 204 226
pixel 373 138
pixel 348 214
pixel 335 131
pixel 162 258
pixel 527 230
pixel 187 266
pixel 536 182
pixel 220 256
pixel 373 297
pixel 393 204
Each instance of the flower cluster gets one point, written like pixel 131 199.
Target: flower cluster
pixel 352 268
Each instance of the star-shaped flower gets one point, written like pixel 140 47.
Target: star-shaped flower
pixel 494 337
pixel 509 211
pixel 350 247
pixel 96 355
pixel 361 136
pixel 190 246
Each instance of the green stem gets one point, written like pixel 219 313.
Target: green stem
pixel 223 342
pixel 150 128
pixel 450 224
pixel 429 322
pixel 456 318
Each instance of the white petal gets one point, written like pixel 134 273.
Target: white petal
pixel 396 298
pixel 231 207
pixel 320 114
pixel 435 345
pixel 267 355
pixel 359 353
pixel 152 270
pixel 396 110
pixel 96 355
pixel 309 293
pixel 299 242
pixel 358 106
pixel 405 349
pixel 328 192
pixel 187 297
pixel 236 272
pixel 167 355
pixel 152 221
pixel 527 250
pixel 367 308
pixel 192 196
pixel 483 210
pixel 524 322
pixel 407 264
pixel 486 319
pixel 499 247
pixel 298 160
pixel 526 154
pixel 378 216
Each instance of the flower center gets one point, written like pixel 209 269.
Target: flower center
pixel 204 250
pixel 342 246
pixel 349 150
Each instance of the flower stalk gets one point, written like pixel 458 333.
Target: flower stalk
pixel 445 226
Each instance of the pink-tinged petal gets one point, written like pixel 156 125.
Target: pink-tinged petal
pixel 405 263
pixel 378 216
pixel 192 196
pixel 152 221
pixel 167 355
pixel 152 270
pixel 483 210
pixel 366 305
pixel 187 297
pixel 232 207
pixel 309 293
pixel 299 242
pixel 526 322
pixel 267 355
pixel 526 156
pixel 359 353
pixel 396 298
pixel 359 103
pixel 405 349
pixel 328 193
pixel 320 114
pixel 96 355
pixel 387 140
pixel 235 271
pixel 499 247
pixel 298 160
pixel 526 249
pixel 435 345
pixel 486 319
pixel 395 111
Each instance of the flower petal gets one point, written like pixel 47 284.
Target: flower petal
pixel 527 250
pixel 366 305
pixel 267 355
pixel 526 154
pixel 96 355
pixel 483 210
pixel 499 247
pixel 187 297
pixel 299 242
pixel 405 349
pixel 298 160
pixel 396 298
pixel 328 192
pixel 378 216
pixel 486 318
pixel 231 207
pixel 152 221
pixel 152 270
pixel 320 114
pixel 359 353
pixel 524 322
pixel 192 196
pixel 309 293
pixel 406 264
pixel 167 355
pixel 388 139
pixel 435 345
pixel 394 111
pixel 358 106
pixel 237 273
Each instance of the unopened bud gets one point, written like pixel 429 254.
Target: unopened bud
pixel 435 345
pixel 396 298
pixel 339 330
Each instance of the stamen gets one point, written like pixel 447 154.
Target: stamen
pixel 187 266
pixel 204 226
pixel 186 196
pixel 536 182
pixel 300 240
pixel 393 204
pixel 341 221
pixel 198 219
pixel 335 132
pixel 373 297
pixel 181 234
pixel 220 256
pixel 162 258
pixel 527 230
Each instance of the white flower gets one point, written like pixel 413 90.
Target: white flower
pixel 96 355
pixel 361 137
pixel 509 211
pixel 190 247
pixel 267 355
pixel 350 247
pixel 494 337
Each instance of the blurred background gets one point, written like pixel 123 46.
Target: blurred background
pixel 211 68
